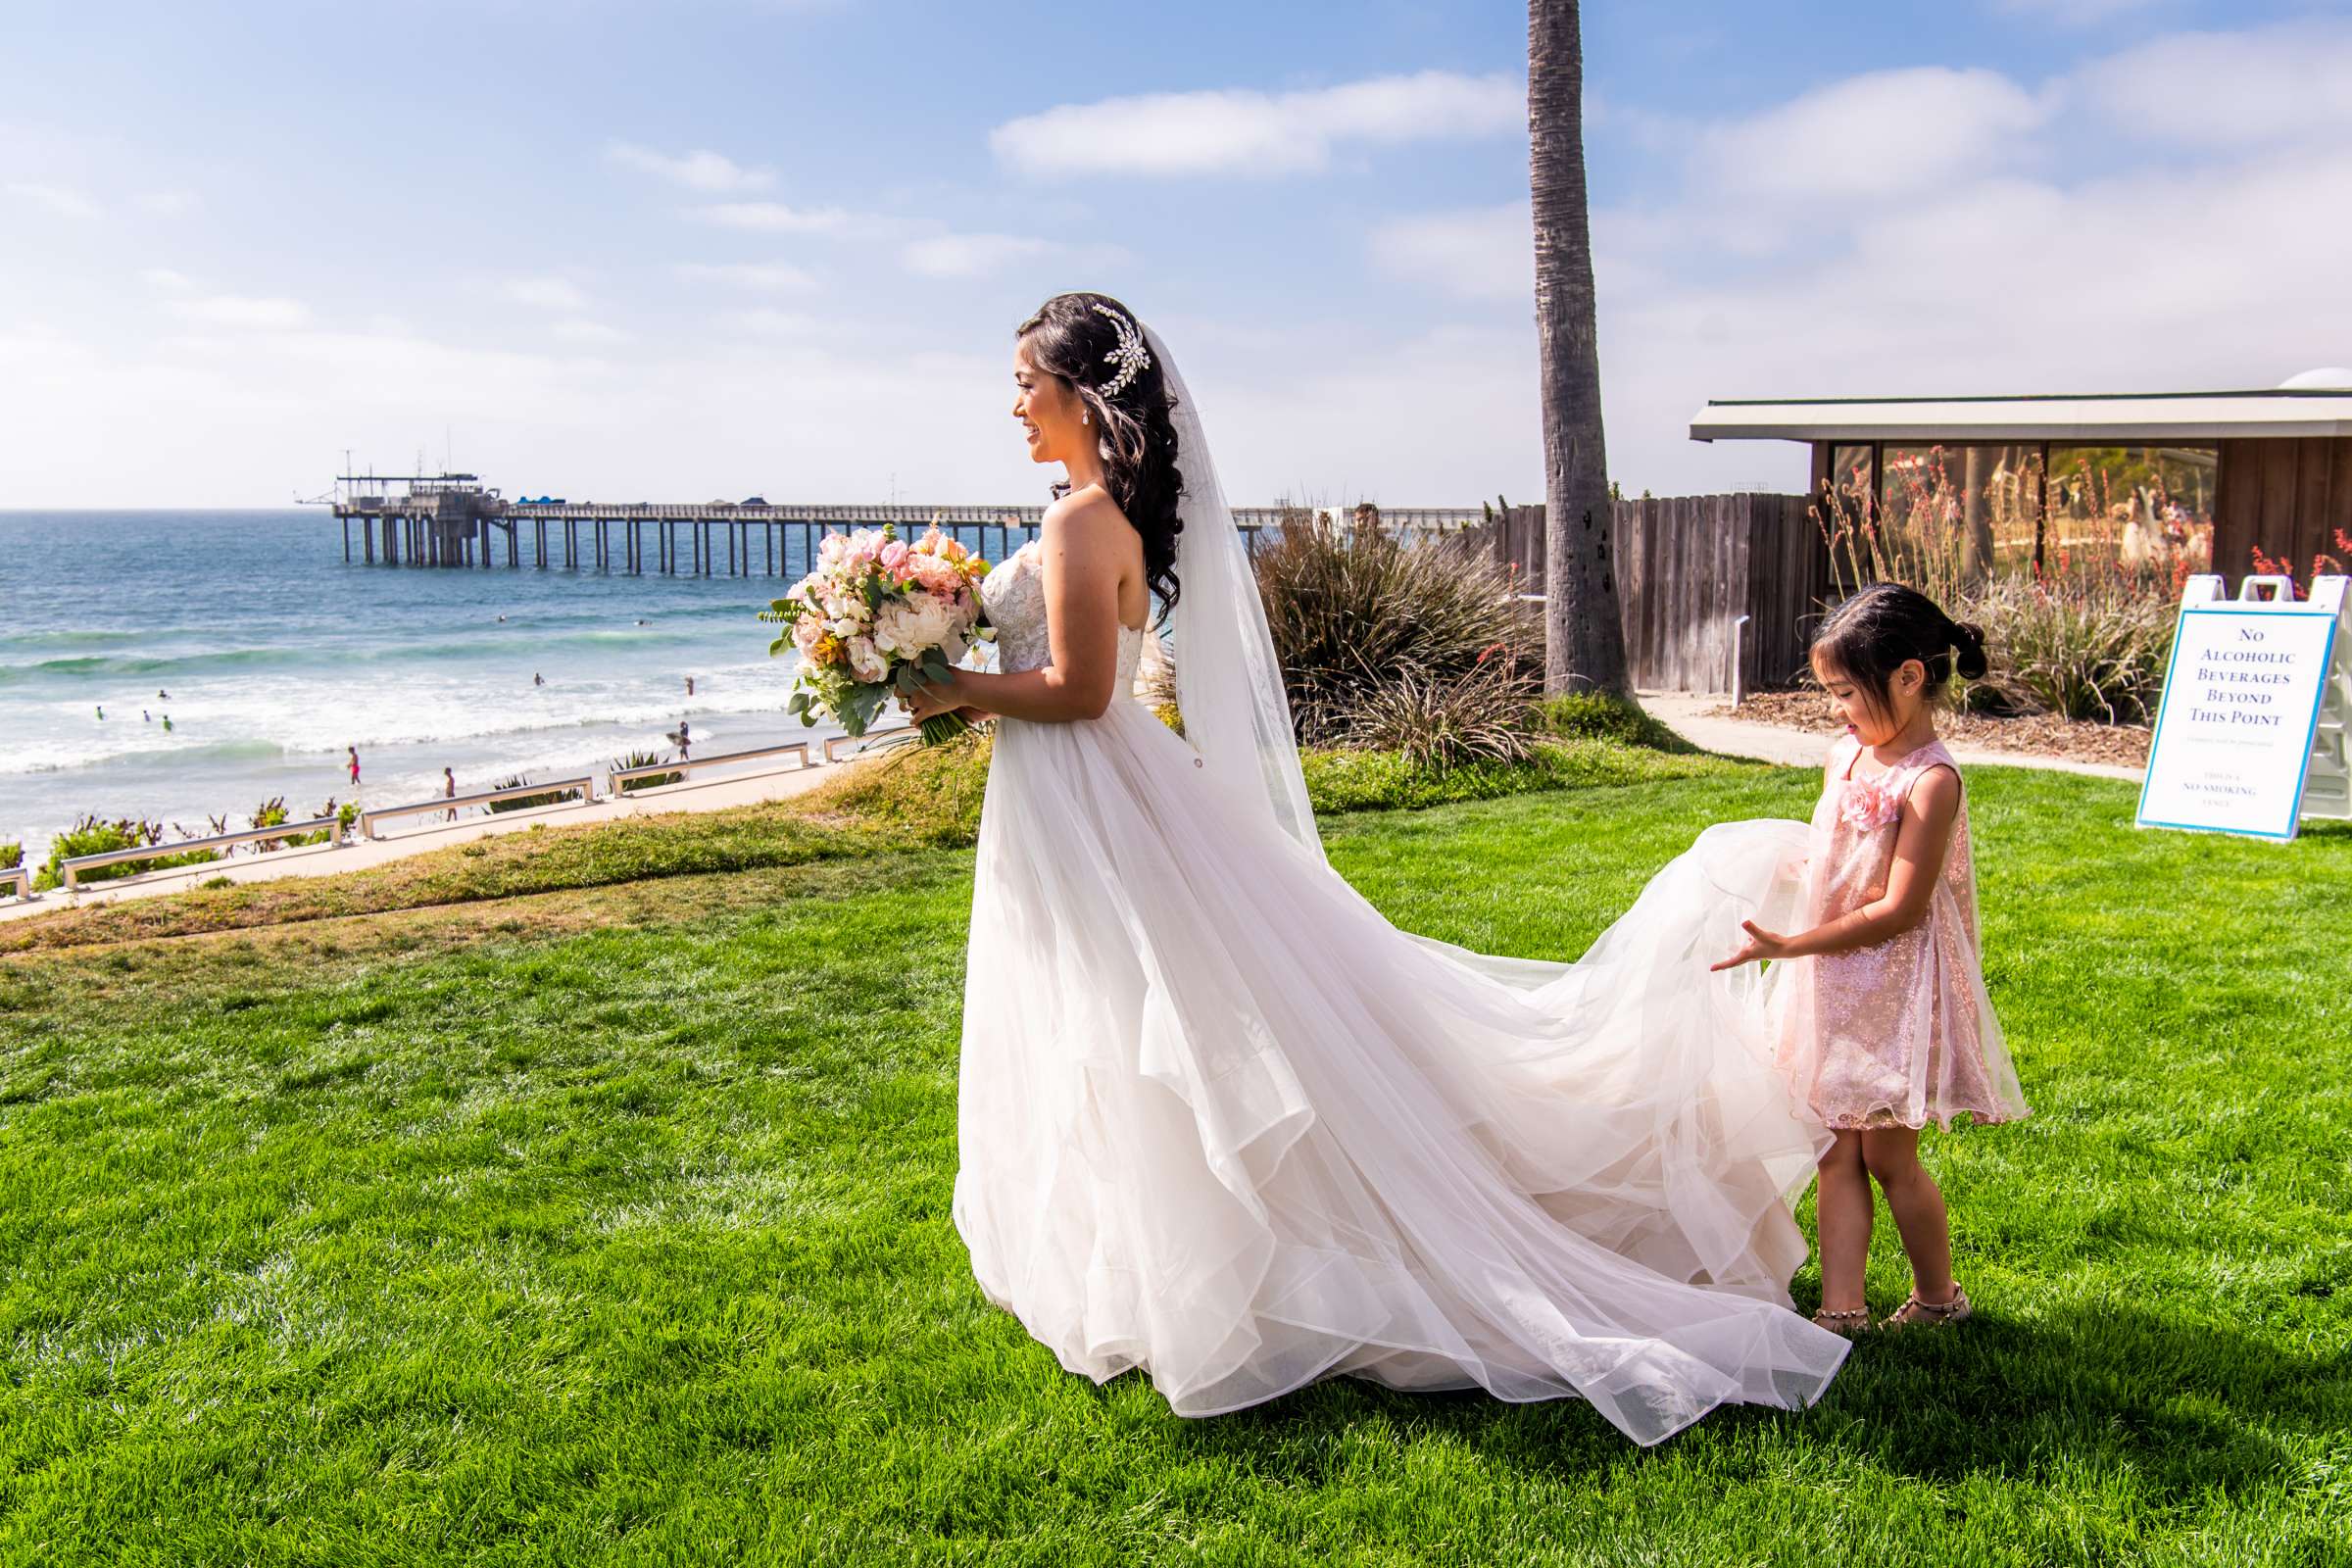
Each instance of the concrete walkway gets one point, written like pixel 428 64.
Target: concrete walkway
pixel 320 859
pixel 1690 717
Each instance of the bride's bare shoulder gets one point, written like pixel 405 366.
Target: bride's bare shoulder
pixel 1084 515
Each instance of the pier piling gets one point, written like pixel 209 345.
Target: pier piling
pixel 449 521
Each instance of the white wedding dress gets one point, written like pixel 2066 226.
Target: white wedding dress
pixel 1221 1121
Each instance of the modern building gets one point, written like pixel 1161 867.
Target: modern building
pixel 2204 479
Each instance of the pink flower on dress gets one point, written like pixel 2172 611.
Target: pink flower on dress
pixel 1871 804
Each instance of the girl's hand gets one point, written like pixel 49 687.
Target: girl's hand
pixel 1760 943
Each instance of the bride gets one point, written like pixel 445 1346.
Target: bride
pixel 1219 1119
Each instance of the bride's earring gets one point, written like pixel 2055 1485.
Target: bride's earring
pixel 1083 418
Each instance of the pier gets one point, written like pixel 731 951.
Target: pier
pixel 454 521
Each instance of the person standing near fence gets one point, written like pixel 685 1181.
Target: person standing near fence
pixel 449 790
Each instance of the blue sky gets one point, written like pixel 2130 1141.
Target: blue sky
pixel 711 248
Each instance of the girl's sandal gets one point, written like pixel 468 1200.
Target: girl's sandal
pixel 1849 1323
pixel 1933 1314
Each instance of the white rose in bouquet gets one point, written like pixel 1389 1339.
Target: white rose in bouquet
pixel 908 626
pixel 866 662
pixel 878 618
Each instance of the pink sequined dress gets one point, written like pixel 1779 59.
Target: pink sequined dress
pixel 1900 1033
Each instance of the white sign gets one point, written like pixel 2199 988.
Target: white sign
pixel 2241 706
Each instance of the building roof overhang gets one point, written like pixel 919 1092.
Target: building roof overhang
pixel 2105 419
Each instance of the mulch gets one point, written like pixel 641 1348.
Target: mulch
pixel 2033 734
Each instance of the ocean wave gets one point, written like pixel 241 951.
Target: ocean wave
pixel 313 724
pixel 195 755
pixel 70 639
pixel 522 644
pixel 104 665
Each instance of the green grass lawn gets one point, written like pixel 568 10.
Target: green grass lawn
pixel 607 1221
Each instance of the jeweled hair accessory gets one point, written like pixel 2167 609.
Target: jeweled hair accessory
pixel 1131 357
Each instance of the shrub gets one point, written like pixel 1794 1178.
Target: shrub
pixel 11 855
pixel 270 813
pixel 1435 722
pixel 94 835
pixel 1354 610
pixel 2066 649
pixel 524 803
pixel 343 814
pixel 621 765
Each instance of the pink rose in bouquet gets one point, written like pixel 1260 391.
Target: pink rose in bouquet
pixel 878 618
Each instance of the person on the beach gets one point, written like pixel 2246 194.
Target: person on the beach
pixel 449 790
pixel 690 685
pixel 166 723
pixel 538 679
pixel 145 717
pixel 101 713
pixel 1884 1023
pixel 352 760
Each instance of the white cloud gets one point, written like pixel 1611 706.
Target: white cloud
pixel 700 170
pixel 62 200
pixel 548 293
pixel 2287 84
pixel 166 280
pixel 580 329
pixel 1482 253
pixel 774 218
pixel 768 322
pixel 245 312
pixel 970 255
pixel 773 278
pixel 1251 132
pixel 1955 232
pixel 1875 134
pixel 168 203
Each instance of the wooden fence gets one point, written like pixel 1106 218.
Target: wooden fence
pixel 1688 568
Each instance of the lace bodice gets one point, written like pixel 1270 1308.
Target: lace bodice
pixel 1014 596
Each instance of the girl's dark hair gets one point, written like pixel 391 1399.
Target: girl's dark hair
pixel 1871 636
pixel 1072 341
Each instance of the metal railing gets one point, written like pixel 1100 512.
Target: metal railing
pixel 833 742
pixel 79 864
pixel 683 765
pixel 584 786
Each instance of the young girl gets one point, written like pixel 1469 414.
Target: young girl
pixel 1883 1024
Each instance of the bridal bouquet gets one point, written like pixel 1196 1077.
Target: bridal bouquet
pixel 878 618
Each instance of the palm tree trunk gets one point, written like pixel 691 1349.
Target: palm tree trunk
pixel 1584 643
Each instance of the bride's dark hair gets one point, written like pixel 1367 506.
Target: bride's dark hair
pixel 1070 339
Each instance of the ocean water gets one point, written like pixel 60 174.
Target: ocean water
pixel 270 655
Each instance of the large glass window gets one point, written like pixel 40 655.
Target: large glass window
pixel 2140 507
pixel 1850 479
pixel 1968 510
